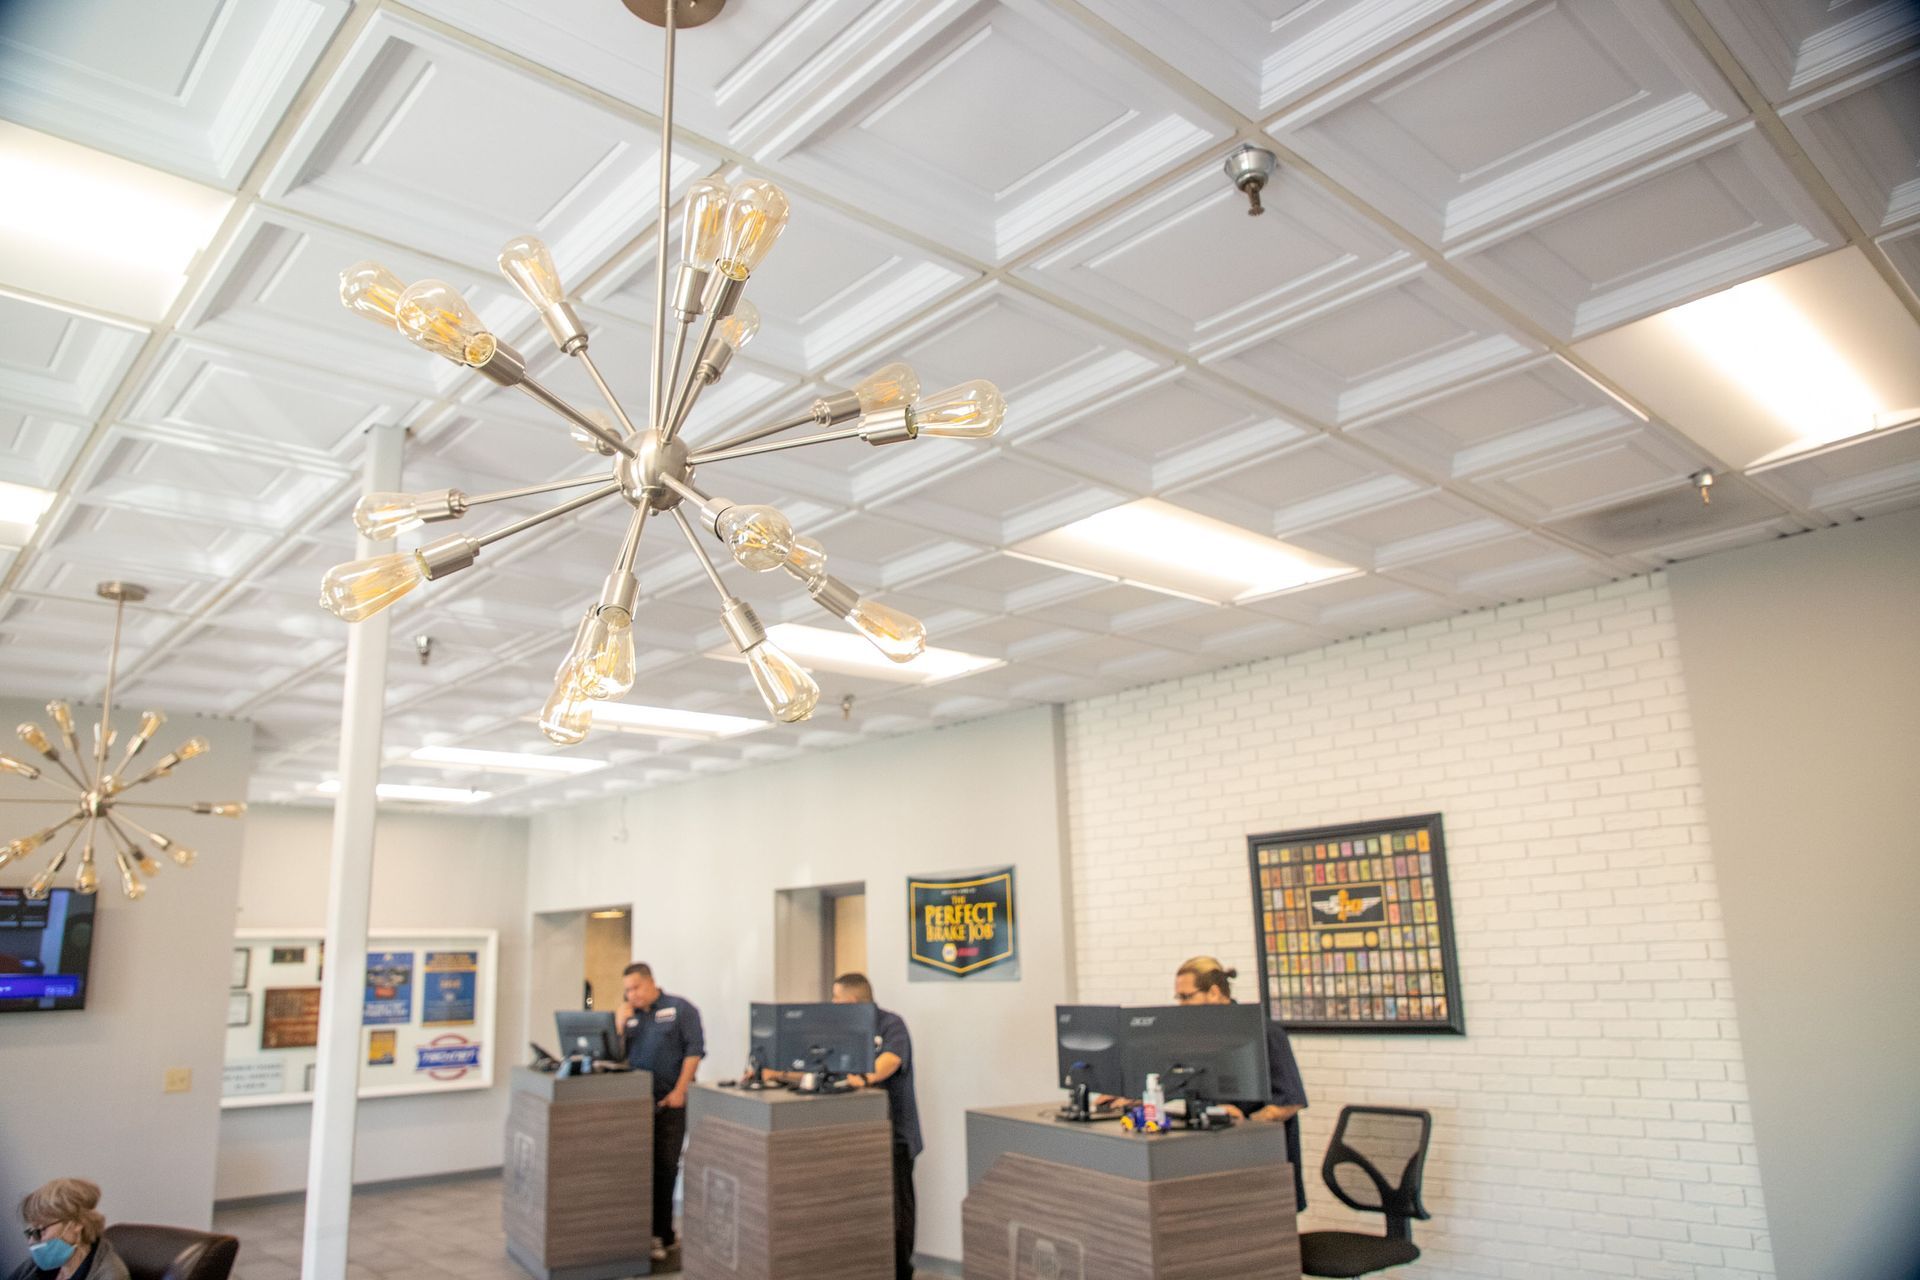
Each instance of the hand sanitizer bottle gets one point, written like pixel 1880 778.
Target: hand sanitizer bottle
pixel 1153 1103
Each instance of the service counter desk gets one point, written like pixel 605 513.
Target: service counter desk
pixel 577 1194
pixel 787 1186
pixel 1060 1201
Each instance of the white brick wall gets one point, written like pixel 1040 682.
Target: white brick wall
pixel 1593 1122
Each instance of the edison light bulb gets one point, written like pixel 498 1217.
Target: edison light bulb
pixel 361 588
pixel 62 715
pixel 606 670
pixel 788 691
pixel 756 215
pixel 192 748
pixel 369 289
pixel 432 314
pixel 381 516
pixel 44 881
pixel 901 636
pixel 737 330
pixel 590 442
pixel 887 387
pixel 26 844
pixel 181 855
pixel 527 262
pixel 703 223
pixel 808 559
pixel 150 722
pixel 227 809
pixel 36 737
pixel 129 878
pixel 86 879
pixel 970 411
pixel 568 713
pixel 9 765
pixel 759 537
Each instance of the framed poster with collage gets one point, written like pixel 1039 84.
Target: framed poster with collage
pixel 1354 926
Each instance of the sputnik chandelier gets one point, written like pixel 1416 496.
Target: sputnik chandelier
pixel 96 794
pixel 726 233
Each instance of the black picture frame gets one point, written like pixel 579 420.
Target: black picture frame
pixel 1336 959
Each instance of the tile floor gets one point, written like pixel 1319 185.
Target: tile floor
pixel 425 1231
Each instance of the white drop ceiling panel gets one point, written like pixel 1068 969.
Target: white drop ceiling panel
pixel 1379 368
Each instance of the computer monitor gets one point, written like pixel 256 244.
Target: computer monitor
pixel 587 1033
pixel 1202 1052
pixel 763 1024
pixel 829 1039
pixel 1088 1039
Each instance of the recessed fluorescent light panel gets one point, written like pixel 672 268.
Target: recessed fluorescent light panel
pixel 849 654
pixel 506 761
pixel 410 791
pixel 90 228
pixel 21 507
pixel 1166 548
pixel 669 722
pixel 1769 369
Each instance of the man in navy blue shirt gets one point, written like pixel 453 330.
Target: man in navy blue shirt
pixel 892 1071
pixel 663 1036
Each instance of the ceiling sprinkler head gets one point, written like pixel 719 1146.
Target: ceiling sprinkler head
pixel 846 707
pixel 1248 168
pixel 1703 483
pixel 423 645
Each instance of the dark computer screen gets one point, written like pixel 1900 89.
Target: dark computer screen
pixel 836 1038
pixel 589 1032
pixel 44 950
pixel 1088 1039
pixel 763 1024
pixel 1215 1052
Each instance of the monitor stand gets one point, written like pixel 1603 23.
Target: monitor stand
pixel 1186 1085
pixel 1080 1108
pixel 817 1079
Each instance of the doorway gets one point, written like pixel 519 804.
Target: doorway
pixel 819 932
pixel 577 957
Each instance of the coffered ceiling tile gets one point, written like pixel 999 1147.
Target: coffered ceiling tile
pixel 166 473
pixel 201 389
pixel 1261 54
pixel 873 553
pixel 420 140
pixel 1672 523
pixel 831 285
pixel 1116 608
pixel 1231 634
pixel 1509 107
pixel 1412 529
pixel 487 450
pixel 1720 212
pixel 1176 428
pixel 1789 46
pixel 1366 352
pixel 57 358
pixel 74 577
pixel 192 86
pixel 996 499
pixel 1190 267
pixel 1600 472
pixel 1004 585
pixel 1851 481
pixel 1056 124
pixel 1505 568
pixel 1311 484
pixel 37 448
pixel 139 540
pixel 276 290
pixel 1535 408
pixel 1353 606
pixel 1864 135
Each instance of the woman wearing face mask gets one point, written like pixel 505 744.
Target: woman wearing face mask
pixel 63 1234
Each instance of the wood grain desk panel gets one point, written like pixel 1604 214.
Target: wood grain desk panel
pixel 576 1199
pixel 784 1187
pixel 1104 1205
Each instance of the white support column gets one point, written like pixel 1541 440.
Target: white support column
pixel 323 1250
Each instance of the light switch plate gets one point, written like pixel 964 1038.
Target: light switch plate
pixel 177 1080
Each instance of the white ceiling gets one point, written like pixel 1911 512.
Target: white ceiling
pixel 1379 369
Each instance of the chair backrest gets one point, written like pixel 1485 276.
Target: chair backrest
pixel 172 1253
pixel 1374 1162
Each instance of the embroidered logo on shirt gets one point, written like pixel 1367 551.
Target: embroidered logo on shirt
pixel 668 1014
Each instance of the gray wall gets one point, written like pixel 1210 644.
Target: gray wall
pixel 80 1092
pixel 430 871
pixel 1802 663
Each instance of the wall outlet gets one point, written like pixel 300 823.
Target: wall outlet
pixel 177 1080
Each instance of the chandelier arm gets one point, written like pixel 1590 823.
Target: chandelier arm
pixel 700 554
pixel 678 351
pixel 573 415
pixel 160 842
pixel 572 504
pixel 67 769
pixel 503 495
pixel 134 748
pixel 630 548
pixel 655 404
pixel 106 703
pixel 59 859
pixel 760 433
pixel 71 739
pixel 150 804
pixel 606 392
pixel 772 446
pixel 695 384
pixel 31 799
pixel 45 834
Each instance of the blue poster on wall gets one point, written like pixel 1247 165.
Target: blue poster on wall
pixel 448 988
pixel 389 988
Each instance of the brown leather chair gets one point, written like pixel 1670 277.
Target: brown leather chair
pixel 172 1253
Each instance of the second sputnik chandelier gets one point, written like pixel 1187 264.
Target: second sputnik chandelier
pixel 726 233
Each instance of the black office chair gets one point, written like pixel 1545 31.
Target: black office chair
pixel 172 1253
pixel 1373 1163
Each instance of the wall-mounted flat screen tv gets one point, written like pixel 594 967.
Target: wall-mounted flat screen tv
pixel 44 948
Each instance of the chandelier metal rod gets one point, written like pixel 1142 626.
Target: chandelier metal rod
pixel 630 548
pixel 760 433
pixel 507 494
pixel 573 415
pixel 67 769
pixel 106 702
pixel 30 799
pixel 606 392
pixel 151 804
pixel 678 349
pixel 695 384
pixel 700 554
pixel 572 504
pixel 773 446
pixel 654 405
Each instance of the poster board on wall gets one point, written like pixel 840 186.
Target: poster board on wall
pixel 961 927
pixel 427 1014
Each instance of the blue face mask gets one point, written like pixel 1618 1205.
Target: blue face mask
pixel 50 1255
